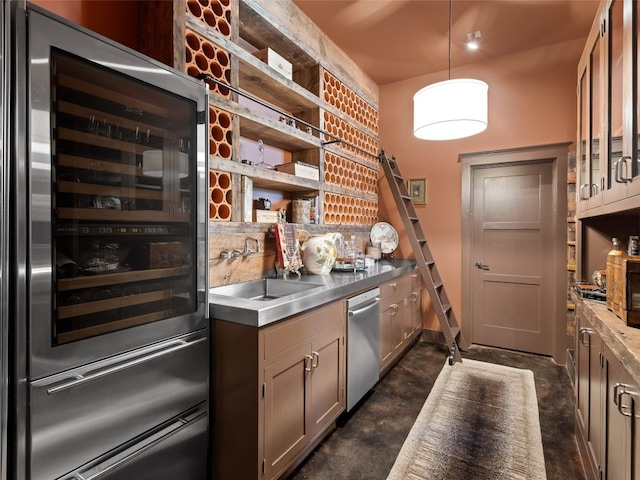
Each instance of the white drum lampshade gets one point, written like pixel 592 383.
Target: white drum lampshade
pixel 451 109
pixel 152 164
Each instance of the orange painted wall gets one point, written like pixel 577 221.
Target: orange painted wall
pixel 532 101
pixel 115 19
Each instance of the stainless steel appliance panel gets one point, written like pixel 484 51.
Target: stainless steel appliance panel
pixel 47 216
pixel 363 333
pixel 79 414
pixel 177 448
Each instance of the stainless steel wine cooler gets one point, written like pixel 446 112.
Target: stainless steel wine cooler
pixel 108 266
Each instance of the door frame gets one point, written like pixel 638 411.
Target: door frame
pixel 557 154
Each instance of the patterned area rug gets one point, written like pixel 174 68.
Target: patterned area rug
pixel 479 422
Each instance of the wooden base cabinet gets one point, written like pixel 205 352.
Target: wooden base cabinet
pixel 607 408
pixel 277 390
pixel 589 403
pixel 623 422
pixel 400 316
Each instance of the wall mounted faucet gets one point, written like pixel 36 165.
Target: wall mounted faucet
pixel 249 251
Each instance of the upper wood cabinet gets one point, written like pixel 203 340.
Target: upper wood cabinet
pixel 609 173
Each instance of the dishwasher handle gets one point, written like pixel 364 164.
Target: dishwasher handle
pixel 365 308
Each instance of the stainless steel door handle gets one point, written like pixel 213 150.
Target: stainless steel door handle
pixel 308 363
pixel 111 461
pixel 364 309
pixel 144 355
pixel 482 266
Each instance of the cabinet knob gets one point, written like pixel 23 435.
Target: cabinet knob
pixel 393 285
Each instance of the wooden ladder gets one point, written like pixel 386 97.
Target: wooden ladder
pixel 426 263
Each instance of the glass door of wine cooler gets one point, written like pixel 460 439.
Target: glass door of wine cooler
pixel 117 165
pixel 123 190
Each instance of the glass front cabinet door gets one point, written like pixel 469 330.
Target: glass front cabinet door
pixel 608 131
pixel 590 120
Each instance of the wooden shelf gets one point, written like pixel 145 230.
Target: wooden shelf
pixel 98 165
pixel 265 178
pixel 87 332
pixel 108 190
pixel 82 111
pixel 100 141
pixel 115 95
pixel 105 215
pixel 256 126
pixel 262 33
pixel 257 78
pixel 66 284
pixel 113 303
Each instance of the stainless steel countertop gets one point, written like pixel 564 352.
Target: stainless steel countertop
pixel 335 286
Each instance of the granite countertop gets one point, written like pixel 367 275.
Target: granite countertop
pixel 335 286
pixel 623 341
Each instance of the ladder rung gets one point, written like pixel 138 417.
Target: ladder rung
pixel 406 198
pixel 413 219
pixel 454 332
pixel 397 176
pixel 446 307
pixel 437 285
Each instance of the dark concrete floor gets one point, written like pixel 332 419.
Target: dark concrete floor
pixel 367 441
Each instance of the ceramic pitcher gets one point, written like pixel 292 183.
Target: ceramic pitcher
pixel 319 252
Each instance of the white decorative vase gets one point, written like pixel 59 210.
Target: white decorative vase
pixel 319 253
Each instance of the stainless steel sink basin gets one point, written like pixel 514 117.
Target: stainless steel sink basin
pixel 264 289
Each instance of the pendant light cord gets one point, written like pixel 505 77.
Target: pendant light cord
pixel 450 30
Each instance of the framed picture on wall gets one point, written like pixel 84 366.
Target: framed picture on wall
pixel 418 191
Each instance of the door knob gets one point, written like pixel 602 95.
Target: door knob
pixel 482 266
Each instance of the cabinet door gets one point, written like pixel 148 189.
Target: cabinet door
pixel 416 312
pixel 589 405
pixel 595 425
pixel 616 146
pixel 632 90
pixel 327 378
pixel 387 319
pixel 590 121
pixel 623 422
pixel 286 425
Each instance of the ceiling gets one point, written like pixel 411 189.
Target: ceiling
pixel 392 40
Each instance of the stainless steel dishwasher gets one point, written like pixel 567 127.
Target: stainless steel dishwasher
pixel 363 332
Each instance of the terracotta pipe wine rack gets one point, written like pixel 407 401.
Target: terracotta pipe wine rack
pixel 214 13
pixel 203 57
pixel 344 99
pixel 220 196
pixel 346 210
pixel 349 174
pixel 220 133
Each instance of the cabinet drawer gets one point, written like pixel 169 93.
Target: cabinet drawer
pixel 80 414
pixel 287 333
pixel 396 289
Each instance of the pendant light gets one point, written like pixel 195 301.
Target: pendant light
pixel 450 109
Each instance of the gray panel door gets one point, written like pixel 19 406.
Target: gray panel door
pixel 512 254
